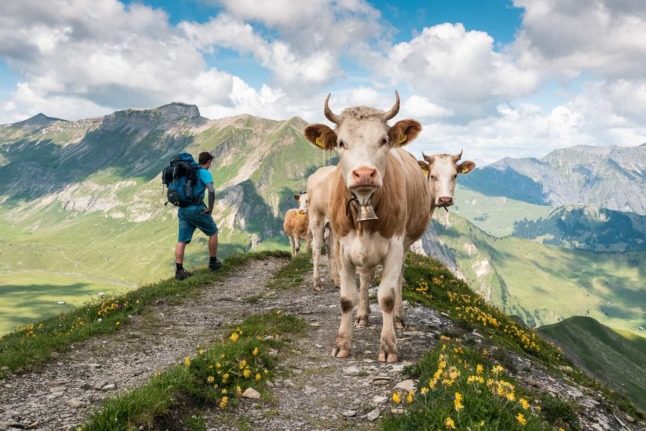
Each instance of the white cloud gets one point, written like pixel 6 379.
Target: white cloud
pixel 460 69
pixel 606 37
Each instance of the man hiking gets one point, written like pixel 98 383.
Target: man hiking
pixel 198 216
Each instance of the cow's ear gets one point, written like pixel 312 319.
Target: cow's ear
pixel 466 167
pixel 403 132
pixel 321 136
pixel 426 168
pixel 297 197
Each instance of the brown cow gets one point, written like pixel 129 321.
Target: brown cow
pixel 296 223
pixel 318 190
pixel 373 173
pixel 442 170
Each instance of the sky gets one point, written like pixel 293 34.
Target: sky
pixel 496 78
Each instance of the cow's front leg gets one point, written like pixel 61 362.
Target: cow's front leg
pixel 399 307
pixel 348 292
pixel 291 243
pixel 334 260
pixel 387 297
pixel 364 307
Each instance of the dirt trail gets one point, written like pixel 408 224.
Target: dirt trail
pixel 311 391
pixel 64 391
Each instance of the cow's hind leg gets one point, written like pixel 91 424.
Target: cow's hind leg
pixel 343 341
pixel 387 297
pixel 399 307
pixel 361 320
pixel 291 243
pixel 316 230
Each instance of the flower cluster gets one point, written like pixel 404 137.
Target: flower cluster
pixel 109 306
pixel 226 372
pixel 458 392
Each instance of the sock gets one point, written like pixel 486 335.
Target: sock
pixel 179 266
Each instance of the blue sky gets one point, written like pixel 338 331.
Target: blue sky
pixel 495 77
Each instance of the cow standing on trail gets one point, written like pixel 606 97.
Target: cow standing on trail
pixel 296 224
pixel 373 174
pixel 442 171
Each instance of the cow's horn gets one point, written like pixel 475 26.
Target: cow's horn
pixel 457 156
pixel 328 112
pixel 429 159
pixel 394 110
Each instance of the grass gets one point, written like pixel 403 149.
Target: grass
pixel 614 358
pixel 460 388
pixel 293 274
pixel 35 343
pixel 216 376
pixel 430 283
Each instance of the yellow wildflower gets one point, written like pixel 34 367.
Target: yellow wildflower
pixel 234 337
pixel 424 390
pixel 218 365
pixel 246 373
pixel 255 351
pixel 453 373
pixel 210 379
pixel 449 424
pixel 479 369
pixel 225 377
pixel 410 397
pixel 457 402
pixel 397 399
pixel 187 361
pixel 497 369
pixel 521 419
pixel 238 390
pixel 524 404
pixel 243 364
pixel 223 402
pixel 258 377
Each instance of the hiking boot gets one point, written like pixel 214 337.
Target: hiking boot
pixel 214 265
pixel 182 274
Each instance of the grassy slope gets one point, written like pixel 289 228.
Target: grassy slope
pixel 495 214
pixel 542 283
pixel 616 358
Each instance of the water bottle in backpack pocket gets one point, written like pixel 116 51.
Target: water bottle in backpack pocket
pixel 180 177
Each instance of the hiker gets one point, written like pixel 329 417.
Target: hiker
pixel 198 216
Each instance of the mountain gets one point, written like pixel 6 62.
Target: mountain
pixel 587 227
pixel 609 177
pixel 613 357
pixel 82 206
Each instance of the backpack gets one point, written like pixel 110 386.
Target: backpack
pixel 180 177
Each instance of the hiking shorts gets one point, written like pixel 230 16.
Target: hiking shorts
pixel 194 217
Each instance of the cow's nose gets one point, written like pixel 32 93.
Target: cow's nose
pixel 445 200
pixel 364 176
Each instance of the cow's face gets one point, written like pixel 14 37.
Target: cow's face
pixel 363 139
pixel 303 200
pixel 442 171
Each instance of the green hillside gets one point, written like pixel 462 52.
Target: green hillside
pixel 83 203
pixel 496 215
pixel 616 358
pixel 543 284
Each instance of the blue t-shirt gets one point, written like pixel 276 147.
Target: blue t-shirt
pixel 203 178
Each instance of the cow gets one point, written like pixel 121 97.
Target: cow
pixel 441 171
pixel 318 189
pixel 378 206
pixel 296 224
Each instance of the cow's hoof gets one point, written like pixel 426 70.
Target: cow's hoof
pixel 361 322
pixel 318 288
pixel 387 357
pixel 340 353
pixel 399 323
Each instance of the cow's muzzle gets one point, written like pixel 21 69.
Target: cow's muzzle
pixel 444 201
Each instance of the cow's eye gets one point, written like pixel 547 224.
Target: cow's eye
pixel 384 141
pixel 455 176
pixel 341 144
pixel 433 177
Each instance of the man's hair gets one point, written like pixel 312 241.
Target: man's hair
pixel 204 157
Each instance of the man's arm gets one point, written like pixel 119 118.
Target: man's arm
pixel 211 190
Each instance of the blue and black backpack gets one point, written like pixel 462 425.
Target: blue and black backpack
pixel 180 177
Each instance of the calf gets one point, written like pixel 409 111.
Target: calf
pixel 296 224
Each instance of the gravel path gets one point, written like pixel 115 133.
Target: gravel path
pixel 312 390
pixel 62 394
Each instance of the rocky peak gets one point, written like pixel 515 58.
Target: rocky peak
pixel 38 120
pixel 176 111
